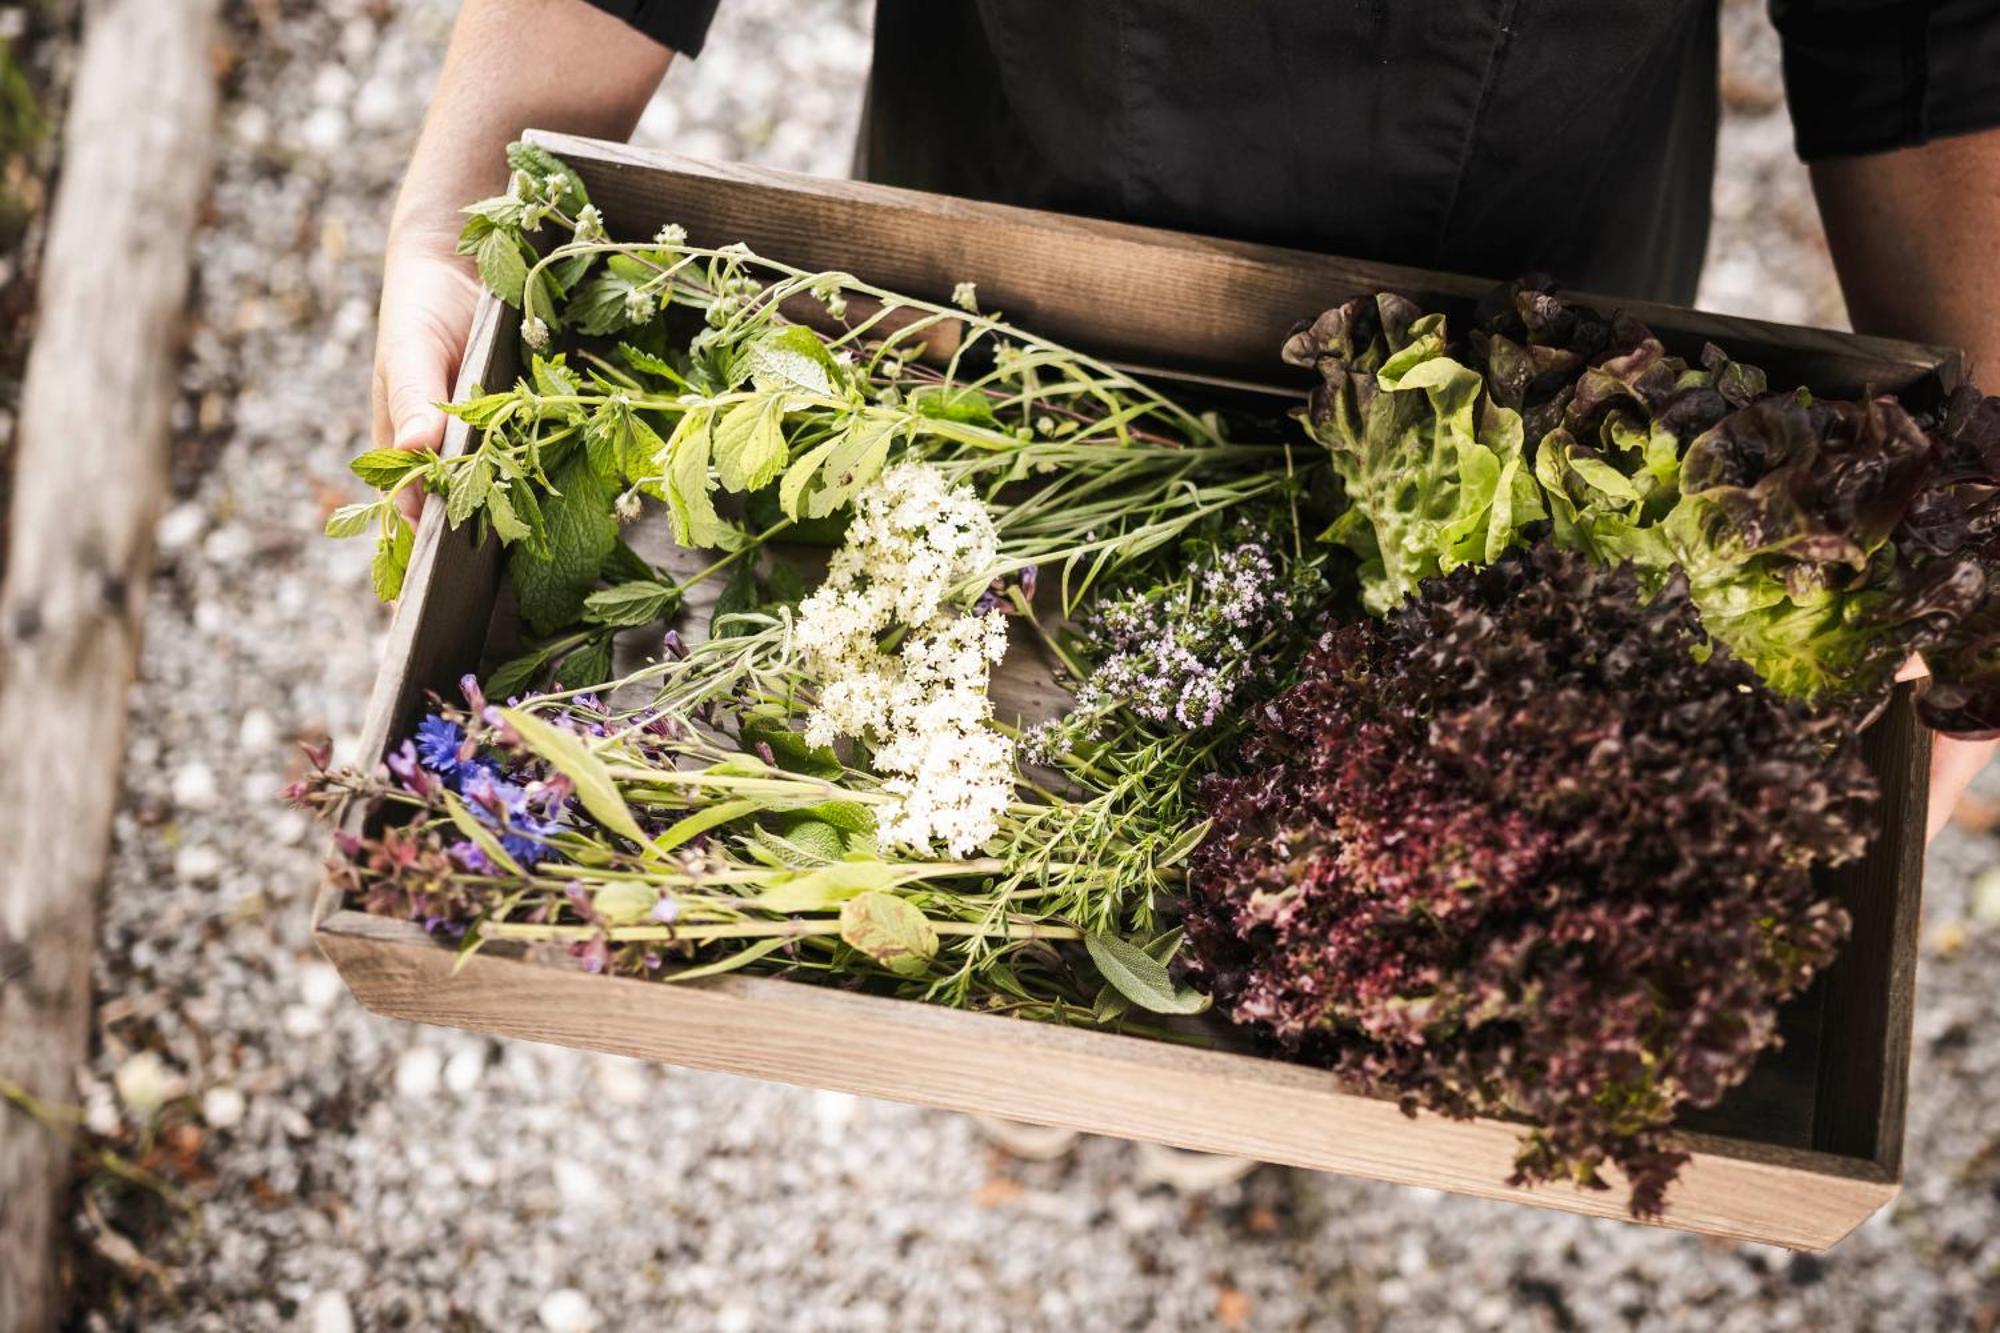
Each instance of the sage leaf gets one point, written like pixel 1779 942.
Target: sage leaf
pixel 729 962
pixel 639 602
pixel 574 759
pixel 819 889
pixel 701 821
pixel 623 903
pixel 888 929
pixel 1140 977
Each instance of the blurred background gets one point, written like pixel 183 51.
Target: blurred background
pixel 348 1172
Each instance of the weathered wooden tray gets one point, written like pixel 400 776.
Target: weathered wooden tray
pixel 1803 1152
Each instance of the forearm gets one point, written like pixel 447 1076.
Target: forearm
pixel 553 64
pixel 1915 236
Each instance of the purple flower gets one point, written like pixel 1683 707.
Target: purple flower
pixel 441 746
pixel 504 806
pixel 408 770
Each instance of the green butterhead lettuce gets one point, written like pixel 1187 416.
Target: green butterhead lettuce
pixel 1434 470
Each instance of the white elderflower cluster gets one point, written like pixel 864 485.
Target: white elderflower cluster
pixel 923 707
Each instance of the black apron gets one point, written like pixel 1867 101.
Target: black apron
pixel 1487 137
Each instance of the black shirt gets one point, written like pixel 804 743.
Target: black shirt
pixel 1487 137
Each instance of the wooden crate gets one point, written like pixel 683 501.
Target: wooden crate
pixel 1806 1149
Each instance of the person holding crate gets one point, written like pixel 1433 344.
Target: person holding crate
pixel 1576 137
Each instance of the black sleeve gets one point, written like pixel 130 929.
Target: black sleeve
pixel 1866 76
pixel 680 25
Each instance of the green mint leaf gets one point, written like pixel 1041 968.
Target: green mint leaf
pixel 469 487
pixel 645 363
pixel 587 666
pixel 517 675
pixel 750 443
pixel 353 520
pixel 695 521
pixel 383 468
pixel 501 266
pixel 625 565
pixel 392 559
pixel 551 581
pixel 507 525
pixel 855 460
pixel 793 357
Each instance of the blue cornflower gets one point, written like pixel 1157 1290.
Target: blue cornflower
pixel 503 806
pixel 439 743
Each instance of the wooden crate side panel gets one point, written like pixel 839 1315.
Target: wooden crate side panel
pixel 1134 293
pixel 439 625
pixel 1870 991
pixel 1204 1100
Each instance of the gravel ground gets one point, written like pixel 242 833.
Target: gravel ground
pixel 355 1173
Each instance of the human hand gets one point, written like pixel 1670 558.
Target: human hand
pixel 428 295
pixel 1954 764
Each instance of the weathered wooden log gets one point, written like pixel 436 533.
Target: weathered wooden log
pixel 90 471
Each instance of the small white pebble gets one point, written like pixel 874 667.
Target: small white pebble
pixel 100 1113
pixel 257 731
pixel 194 786
pixel 462 1071
pixel 197 862
pixel 143 1082
pixel 222 1107
pixel 566 1310
pixel 320 985
pixel 1986 897
pixel 301 1022
pixel 178 527
pixel 418 1072
pixel 623 1080
pixel 328 1312
pixel 227 545
pixel 578 1185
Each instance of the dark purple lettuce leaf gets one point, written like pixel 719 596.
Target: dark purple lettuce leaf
pixel 1515 850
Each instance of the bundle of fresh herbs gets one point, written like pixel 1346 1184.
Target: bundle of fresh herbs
pixel 1537 843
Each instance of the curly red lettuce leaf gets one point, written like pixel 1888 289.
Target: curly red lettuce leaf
pixel 1515 851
